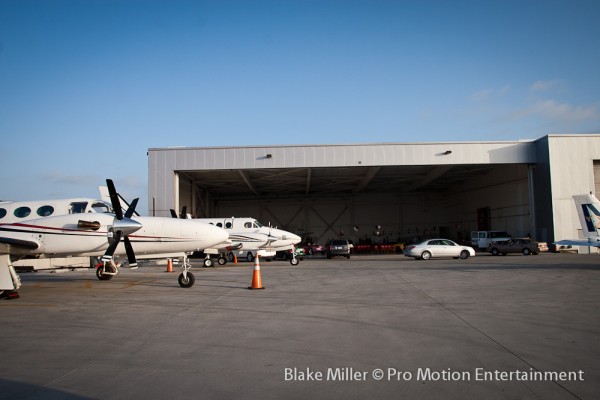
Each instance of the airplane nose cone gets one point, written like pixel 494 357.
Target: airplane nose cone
pixel 219 234
pixel 126 225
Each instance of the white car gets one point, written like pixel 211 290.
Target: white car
pixel 438 248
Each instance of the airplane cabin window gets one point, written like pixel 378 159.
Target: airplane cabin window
pixel 78 207
pixel 2 213
pixel 45 211
pixel 22 212
pixel 248 225
pixel 228 225
pixel 220 225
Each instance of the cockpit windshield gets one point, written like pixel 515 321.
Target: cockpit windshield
pixel 102 207
pixel 257 224
pixel 77 207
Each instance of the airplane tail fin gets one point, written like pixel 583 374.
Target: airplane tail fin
pixel 588 209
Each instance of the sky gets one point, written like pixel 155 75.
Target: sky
pixel 88 86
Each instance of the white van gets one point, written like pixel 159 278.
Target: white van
pixel 483 239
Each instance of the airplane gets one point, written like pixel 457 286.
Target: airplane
pixel 588 210
pixel 248 237
pixel 252 237
pixel 16 211
pixel 101 234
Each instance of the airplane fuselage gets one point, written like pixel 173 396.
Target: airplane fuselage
pixel 66 236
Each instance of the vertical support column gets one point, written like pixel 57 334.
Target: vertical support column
pixel 530 169
pixel 176 192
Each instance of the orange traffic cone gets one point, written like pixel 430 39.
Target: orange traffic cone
pixel 234 259
pixel 256 281
pixel 169 265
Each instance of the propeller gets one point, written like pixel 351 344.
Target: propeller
pixel 122 227
pixel 183 214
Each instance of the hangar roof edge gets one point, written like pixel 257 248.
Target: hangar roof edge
pixel 520 141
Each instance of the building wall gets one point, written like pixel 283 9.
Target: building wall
pixel 571 172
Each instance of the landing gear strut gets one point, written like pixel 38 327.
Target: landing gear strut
pixel 105 270
pixel 186 278
pixel 294 260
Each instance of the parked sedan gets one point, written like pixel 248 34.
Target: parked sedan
pixel 438 248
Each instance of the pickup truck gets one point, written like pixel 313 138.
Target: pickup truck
pixel 519 245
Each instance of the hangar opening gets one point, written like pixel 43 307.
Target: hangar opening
pixel 371 204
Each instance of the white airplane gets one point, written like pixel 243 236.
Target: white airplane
pixel 17 211
pixel 588 209
pixel 102 234
pixel 248 237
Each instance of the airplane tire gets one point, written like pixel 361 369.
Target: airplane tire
pixel 208 262
pixel 186 282
pixel 104 277
pixel 294 261
pixel 222 261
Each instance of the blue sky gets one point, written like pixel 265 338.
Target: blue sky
pixel 86 87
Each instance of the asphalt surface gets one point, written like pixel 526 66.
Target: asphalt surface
pixel 384 327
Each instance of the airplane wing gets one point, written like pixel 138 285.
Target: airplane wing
pixel 591 242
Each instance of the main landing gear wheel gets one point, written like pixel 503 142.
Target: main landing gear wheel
pixel 100 272
pixel 222 260
pixel 186 282
pixel 294 261
pixel 208 262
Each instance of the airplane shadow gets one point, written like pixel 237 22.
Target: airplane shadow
pixel 19 390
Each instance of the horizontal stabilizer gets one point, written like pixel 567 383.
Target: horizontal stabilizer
pixel 591 242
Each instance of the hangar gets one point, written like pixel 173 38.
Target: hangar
pixel 385 191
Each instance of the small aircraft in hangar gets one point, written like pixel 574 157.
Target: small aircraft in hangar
pixel 102 234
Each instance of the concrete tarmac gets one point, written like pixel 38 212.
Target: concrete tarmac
pixel 385 327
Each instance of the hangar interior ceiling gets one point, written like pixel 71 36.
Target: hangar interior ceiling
pixel 325 182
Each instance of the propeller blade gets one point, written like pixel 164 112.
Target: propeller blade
pixel 174 214
pixel 114 199
pixel 108 254
pixel 130 253
pixel 131 208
